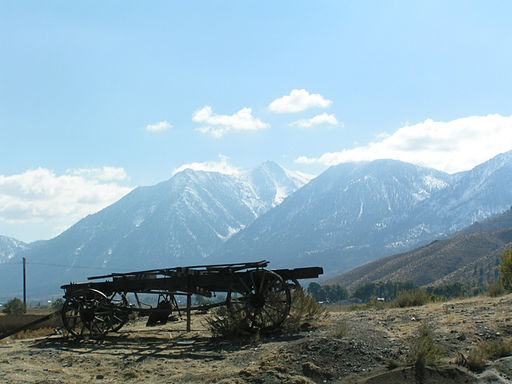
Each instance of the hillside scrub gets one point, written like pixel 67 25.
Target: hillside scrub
pixel 495 289
pixel 505 269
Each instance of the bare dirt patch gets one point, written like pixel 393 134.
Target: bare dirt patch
pixel 167 354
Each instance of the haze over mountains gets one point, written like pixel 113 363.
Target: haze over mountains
pixel 349 215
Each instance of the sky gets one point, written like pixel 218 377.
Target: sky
pixel 97 98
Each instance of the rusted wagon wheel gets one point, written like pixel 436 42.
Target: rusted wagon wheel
pixel 87 314
pixel 265 302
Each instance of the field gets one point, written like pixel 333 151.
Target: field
pixel 346 347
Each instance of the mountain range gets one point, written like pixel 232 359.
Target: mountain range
pixel 347 216
pixel 469 256
pixel 355 213
pixel 177 222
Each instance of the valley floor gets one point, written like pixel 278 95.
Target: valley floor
pixel 360 353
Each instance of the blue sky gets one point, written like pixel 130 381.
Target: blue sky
pixel 85 86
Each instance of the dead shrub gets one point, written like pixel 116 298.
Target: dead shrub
pixel 475 361
pixel 411 298
pixel 225 324
pixel 423 350
pixel 340 330
pixel 304 311
pixel 479 355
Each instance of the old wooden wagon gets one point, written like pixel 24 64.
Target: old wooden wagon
pixel 259 295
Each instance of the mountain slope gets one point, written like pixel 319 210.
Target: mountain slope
pixel 9 247
pixel 355 213
pixel 468 256
pixel 343 212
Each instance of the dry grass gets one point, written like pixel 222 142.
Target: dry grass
pixel 32 333
pixel 340 329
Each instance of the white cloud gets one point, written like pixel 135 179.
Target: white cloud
pixel 297 101
pixel 324 118
pixel 219 125
pixel 158 127
pixel 55 202
pixel 221 166
pixel 451 146
pixel 103 173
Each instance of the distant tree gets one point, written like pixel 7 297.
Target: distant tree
pixel 317 291
pixel 506 269
pixel 14 307
pixel 450 290
pixel 57 304
pixel 389 290
pixel 329 293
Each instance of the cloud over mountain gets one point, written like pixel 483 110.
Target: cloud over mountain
pixel 221 166
pixel 451 146
pixel 40 195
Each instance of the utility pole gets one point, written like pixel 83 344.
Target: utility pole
pixel 24 285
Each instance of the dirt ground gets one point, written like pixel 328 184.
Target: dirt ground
pixel 347 347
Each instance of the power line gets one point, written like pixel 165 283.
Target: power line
pixel 65 266
pixel 12 263
pixel 52 265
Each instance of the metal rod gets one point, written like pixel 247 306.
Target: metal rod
pixel 24 286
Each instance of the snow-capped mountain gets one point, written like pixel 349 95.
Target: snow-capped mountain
pixel 177 222
pixel 9 247
pixel 354 213
pixel 272 183
pixel 350 214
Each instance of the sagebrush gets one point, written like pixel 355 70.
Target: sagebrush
pixel 423 349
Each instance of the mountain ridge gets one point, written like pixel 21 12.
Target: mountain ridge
pixel 351 214
pixel 356 212
pixel 469 256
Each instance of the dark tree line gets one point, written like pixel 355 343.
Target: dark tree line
pixel 328 293
pixel 389 290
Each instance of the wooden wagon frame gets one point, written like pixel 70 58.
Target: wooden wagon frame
pixel 261 297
